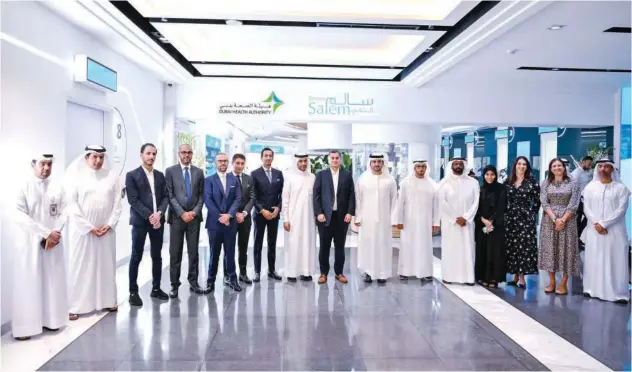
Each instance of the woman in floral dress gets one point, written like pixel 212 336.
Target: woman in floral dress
pixel 558 238
pixel 523 203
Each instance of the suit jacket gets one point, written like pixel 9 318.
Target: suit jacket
pixel 247 195
pixel 140 197
pixel 219 201
pixel 324 194
pixel 267 195
pixel 178 202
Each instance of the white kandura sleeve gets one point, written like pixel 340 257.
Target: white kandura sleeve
pixel 25 221
pixel 471 213
pixel 73 211
pixel 117 208
pixel 358 196
pixel 393 195
pixel 401 204
pixel 619 213
pixel 285 200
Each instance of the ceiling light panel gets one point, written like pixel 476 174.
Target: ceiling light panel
pixel 297 45
pixel 298 72
pixel 414 11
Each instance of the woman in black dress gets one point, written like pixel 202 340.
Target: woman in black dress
pixel 523 203
pixel 490 267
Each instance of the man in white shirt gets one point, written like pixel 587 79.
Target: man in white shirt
pixel 146 191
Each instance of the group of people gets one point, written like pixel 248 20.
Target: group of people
pixel 487 231
pixel 589 205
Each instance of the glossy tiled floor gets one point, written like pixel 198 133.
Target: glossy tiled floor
pixel 301 326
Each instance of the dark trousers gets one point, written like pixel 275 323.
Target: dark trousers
pixel 243 235
pixel 139 234
pixel 217 238
pixel 261 224
pixel 180 230
pixel 582 221
pixel 337 230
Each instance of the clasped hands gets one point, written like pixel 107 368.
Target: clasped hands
pixel 154 220
pixel 461 221
pixel 99 232
pixel 600 229
pixel 270 215
pixel 188 216
pixel 560 223
pixel 53 239
pixel 224 219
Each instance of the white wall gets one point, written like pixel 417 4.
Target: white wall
pixel 35 90
pixel 398 103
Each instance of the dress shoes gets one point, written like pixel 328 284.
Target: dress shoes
pixel 196 288
pixel 306 278
pixel 367 278
pixel 342 279
pixel 174 292
pixel 428 278
pixel 256 278
pixel 234 286
pixel 403 277
pixel 274 275
pixel 291 279
pixel 245 279
pixel 135 300
pixel 322 279
pixel 381 281
pixel 210 287
pixel 159 294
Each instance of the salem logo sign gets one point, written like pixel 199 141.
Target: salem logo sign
pixel 339 106
pixel 266 107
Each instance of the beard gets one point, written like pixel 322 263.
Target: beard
pixel 457 171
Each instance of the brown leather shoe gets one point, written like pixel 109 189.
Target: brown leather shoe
pixel 322 279
pixel 342 279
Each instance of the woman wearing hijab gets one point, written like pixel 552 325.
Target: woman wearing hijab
pixel 490 267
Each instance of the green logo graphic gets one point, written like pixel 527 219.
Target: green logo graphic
pixel 273 98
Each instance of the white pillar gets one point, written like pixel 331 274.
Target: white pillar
pixel 301 145
pixel 329 136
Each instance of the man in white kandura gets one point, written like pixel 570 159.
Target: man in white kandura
pixel 298 221
pixel 458 202
pixel 417 218
pixel 94 208
pixel 376 200
pixel 606 270
pixel 39 294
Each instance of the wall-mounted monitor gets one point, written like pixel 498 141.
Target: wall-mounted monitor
pixel 547 130
pixel 470 139
pixel 95 74
pixel 501 133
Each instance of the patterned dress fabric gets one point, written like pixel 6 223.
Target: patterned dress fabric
pixel 559 249
pixel 523 203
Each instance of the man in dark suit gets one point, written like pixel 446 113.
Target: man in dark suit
pixel 244 220
pixel 334 206
pixel 222 195
pixel 185 184
pixel 148 200
pixel 268 185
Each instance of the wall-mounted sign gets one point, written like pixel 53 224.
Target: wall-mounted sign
pixel 92 73
pixel 546 130
pixel 257 148
pixel 447 141
pixel 340 106
pixel 470 139
pixel 268 106
pixel 501 133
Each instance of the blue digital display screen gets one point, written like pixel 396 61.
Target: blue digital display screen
pixel 445 142
pixel 470 139
pixel 257 148
pixel 501 133
pixel 101 75
pixel 546 130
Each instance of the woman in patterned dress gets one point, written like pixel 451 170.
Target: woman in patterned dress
pixel 523 203
pixel 558 238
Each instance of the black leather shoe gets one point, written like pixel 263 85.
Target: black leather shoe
pixel 291 279
pixel 234 286
pixel 135 300
pixel 51 329
pixel 196 288
pixel 226 280
pixel 256 278
pixel 367 278
pixel 403 277
pixel 209 288
pixel 429 278
pixel 245 279
pixel 159 294
pixel 174 292
pixel 274 275
pixel 381 281
pixel 306 278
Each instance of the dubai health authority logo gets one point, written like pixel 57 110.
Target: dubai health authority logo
pixel 276 101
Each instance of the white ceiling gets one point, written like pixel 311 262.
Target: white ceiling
pixel 580 44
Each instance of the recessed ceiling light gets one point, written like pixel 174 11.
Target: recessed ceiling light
pixel 234 22
pixel 556 27
pixel 555 69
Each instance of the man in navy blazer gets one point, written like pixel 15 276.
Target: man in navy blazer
pixel 268 184
pixel 334 206
pixel 222 196
pixel 146 191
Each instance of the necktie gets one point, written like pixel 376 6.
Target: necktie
pixel 239 180
pixel 187 182
pixel 269 174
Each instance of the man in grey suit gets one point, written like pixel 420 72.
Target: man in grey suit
pixel 185 186
pixel 243 217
